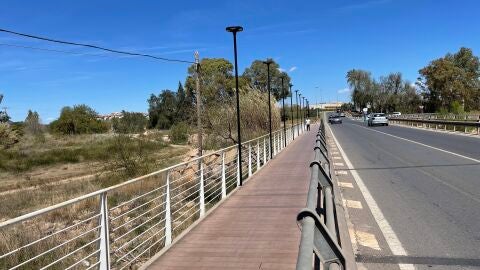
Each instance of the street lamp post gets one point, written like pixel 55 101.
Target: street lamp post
pixel 301 110
pixel 291 110
pixel 296 101
pixel 284 116
pixel 304 114
pixel 268 63
pixel 234 30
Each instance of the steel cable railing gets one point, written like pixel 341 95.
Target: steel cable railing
pixel 319 243
pixel 122 226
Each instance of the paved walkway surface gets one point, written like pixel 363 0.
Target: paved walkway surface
pixel 255 228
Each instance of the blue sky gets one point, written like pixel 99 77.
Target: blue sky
pixel 318 41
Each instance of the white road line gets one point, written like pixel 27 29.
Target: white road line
pixel 341 172
pixel 338 164
pixel 422 144
pixel 345 184
pixel 367 239
pixel 390 236
pixel 353 204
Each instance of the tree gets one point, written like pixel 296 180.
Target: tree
pixel 454 77
pixel 32 123
pixel 4 118
pixel 362 85
pixel 390 93
pixel 184 104
pixel 80 119
pixel 216 80
pixel 256 76
pixel 8 136
pixel 130 122
pixel 162 109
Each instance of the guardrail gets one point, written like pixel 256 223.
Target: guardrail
pixel 319 242
pixel 469 127
pixel 122 226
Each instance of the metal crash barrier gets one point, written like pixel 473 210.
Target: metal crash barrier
pixel 319 243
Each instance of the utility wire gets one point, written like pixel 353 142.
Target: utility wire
pixel 48 50
pixel 94 47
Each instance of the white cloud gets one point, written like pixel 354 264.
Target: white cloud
pixel 292 69
pixel 281 69
pixel 344 90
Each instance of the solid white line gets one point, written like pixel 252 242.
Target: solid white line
pixel 422 144
pixel 392 239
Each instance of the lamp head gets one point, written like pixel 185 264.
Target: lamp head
pixel 234 29
pixel 268 62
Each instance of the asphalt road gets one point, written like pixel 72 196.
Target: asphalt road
pixel 426 184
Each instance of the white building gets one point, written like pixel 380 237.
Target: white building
pixel 327 105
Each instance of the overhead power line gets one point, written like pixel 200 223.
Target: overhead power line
pixel 94 47
pixel 48 50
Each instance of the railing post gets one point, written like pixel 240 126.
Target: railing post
pixel 224 184
pixel 258 154
pixel 202 191
pixel 238 168
pixel 274 147
pixel 249 160
pixel 280 142
pixel 168 216
pixel 104 234
pixel 264 150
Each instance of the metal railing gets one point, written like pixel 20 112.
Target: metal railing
pixel 319 243
pixel 122 226
pixel 468 125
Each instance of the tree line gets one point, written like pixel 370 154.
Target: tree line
pixel 175 110
pixel 448 84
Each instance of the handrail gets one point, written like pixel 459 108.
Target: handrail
pixel 319 240
pixel 436 121
pixel 131 221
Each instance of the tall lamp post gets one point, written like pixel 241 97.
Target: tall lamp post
pixel 268 63
pixel 284 116
pixel 301 111
pixel 296 102
pixel 291 110
pixel 234 30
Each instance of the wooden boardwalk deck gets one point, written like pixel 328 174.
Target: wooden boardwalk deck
pixel 255 228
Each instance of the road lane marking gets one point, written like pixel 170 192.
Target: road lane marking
pixel 341 172
pixel 337 157
pixel 353 204
pixel 335 153
pixel 422 144
pixel 338 164
pixel 390 236
pixel 367 240
pixel 345 184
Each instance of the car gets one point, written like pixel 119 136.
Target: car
pixel 377 119
pixel 396 113
pixel 334 119
pixel 342 114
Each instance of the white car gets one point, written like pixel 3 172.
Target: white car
pixel 377 119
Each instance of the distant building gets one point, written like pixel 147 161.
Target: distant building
pixel 327 105
pixel 113 115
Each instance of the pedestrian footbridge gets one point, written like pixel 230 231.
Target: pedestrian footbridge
pixel 196 215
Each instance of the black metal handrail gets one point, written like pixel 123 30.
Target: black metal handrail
pixel 319 243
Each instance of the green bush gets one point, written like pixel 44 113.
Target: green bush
pixel 131 122
pixel 80 119
pixel 8 136
pixel 456 107
pixel 179 133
